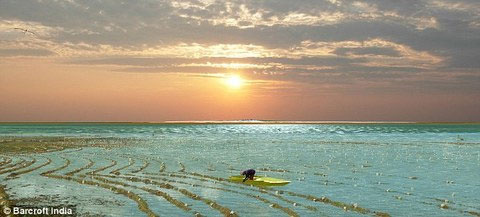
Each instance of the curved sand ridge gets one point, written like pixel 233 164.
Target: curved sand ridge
pixel 132 178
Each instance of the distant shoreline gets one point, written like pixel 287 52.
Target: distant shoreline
pixel 241 122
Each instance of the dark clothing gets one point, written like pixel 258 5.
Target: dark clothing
pixel 249 174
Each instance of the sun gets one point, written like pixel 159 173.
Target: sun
pixel 234 81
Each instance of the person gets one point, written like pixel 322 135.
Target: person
pixel 249 174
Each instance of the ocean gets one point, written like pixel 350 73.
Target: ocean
pixel 360 169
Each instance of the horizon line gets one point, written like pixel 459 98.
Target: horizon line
pixel 247 121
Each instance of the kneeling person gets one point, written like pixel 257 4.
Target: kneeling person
pixel 249 174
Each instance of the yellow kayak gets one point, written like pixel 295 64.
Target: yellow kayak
pixel 260 181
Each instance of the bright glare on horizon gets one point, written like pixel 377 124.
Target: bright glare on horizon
pixel 234 81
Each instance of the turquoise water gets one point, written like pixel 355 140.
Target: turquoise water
pixel 399 169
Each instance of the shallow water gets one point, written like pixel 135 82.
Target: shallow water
pixel 399 169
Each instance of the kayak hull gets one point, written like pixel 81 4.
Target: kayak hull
pixel 260 181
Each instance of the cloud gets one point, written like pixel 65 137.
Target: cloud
pixel 7 29
pixel 373 51
pixel 24 52
pixel 312 41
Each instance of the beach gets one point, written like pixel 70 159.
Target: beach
pixel 182 169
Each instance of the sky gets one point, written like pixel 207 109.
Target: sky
pixel 155 60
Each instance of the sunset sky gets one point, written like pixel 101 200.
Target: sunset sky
pixel 112 60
